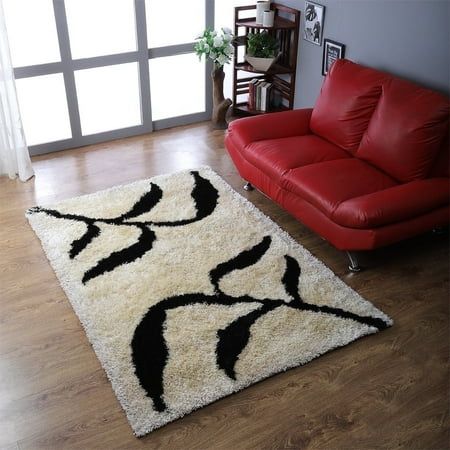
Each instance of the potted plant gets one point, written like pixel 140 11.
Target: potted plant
pixel 262 50
pixel 218 47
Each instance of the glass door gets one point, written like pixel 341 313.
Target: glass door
pixel 89 71
pixel 177 85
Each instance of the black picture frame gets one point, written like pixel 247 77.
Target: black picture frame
pixel 332 51
pixel 313 22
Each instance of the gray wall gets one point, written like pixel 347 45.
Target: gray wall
pixel 409 38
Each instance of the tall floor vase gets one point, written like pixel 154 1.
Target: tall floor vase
pixel 220 103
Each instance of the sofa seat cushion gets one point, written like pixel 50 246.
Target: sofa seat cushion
pixel 346 103
pixel 328 184
pixel 406 131
pixel 395 204
pixel 275 157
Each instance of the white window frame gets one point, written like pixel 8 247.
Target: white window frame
pixel 67 66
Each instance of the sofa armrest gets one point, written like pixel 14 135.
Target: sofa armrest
pixel 270 126
pixel 395 204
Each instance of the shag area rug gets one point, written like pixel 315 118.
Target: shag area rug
pixel 188 293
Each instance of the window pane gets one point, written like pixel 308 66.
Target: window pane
pixel 186 21
pixel 224 12
pixel 177 85
pixel 100 27
pixel 43 107
pixel 224 17
pixel 31 31
pixel 108 97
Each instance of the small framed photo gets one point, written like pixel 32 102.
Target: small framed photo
pixel 332 51
pixel 313 29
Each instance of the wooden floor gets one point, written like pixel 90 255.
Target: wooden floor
pixel 385 391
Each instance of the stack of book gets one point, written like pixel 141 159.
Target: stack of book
pixel 259 95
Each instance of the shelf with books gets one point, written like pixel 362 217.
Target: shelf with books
pixel 262 94
pixel 279 79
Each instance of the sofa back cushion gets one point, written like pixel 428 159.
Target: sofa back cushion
pixel 346 103
pixel 406 131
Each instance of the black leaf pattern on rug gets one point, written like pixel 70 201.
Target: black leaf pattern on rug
pixel 234 338
pixel 144 205
pixel 79 245
pixel 149 348
pixel 245 259
pixel 291 278
pixel 205 197
pixel 124 256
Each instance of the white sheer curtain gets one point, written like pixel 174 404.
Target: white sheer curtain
pixel 14 156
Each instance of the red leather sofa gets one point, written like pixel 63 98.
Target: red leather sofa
pixel 366 167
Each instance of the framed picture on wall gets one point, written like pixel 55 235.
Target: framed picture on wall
pixel 313 28
pixel 332 51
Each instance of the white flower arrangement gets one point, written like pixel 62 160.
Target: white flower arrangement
pixel 216 46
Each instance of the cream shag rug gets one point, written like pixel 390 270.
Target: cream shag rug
pixel 188 293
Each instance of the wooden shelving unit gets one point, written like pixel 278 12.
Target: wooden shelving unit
pixel 282 74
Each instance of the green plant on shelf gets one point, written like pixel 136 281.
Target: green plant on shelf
pixel 262 45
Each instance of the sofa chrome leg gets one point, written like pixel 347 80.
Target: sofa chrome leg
pixel 248 187
pixel 354 263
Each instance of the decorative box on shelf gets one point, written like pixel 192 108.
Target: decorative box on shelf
pixel 275 82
